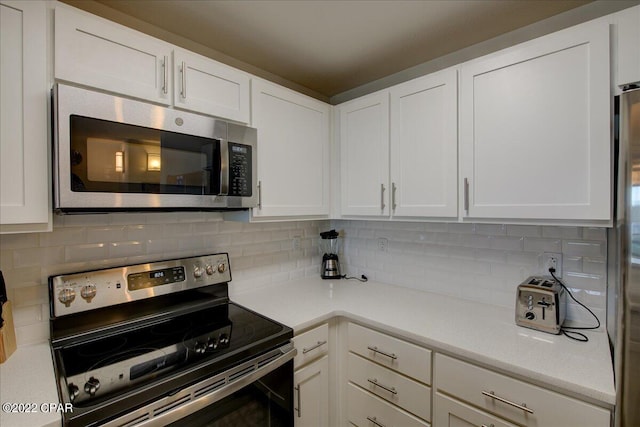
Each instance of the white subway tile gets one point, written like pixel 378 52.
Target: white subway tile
pixel 439 227
pixel 594 266
pixel 125 249
pixel 105 234
pixel 594 234
pixel 6 260
pixel 143 232
pixel 460 228
pixel 38 256
pixel 161 218
pixel 507 243
pixel 592 282
pixel 532 244
pixel 63 236
pixel 524 230
pixel 127 218
pixel 491 229
pixel 34 294
pixel 572 264
pixel 18 241
pixel 178 230
pixel 27 315
pixel 583 248
pixel 562 232
pixel 94 220
pixel 158 246
pixel 88 252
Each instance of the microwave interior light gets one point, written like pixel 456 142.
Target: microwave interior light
pixel 119 161
pixel 153 162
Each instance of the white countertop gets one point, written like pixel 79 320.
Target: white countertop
pixel 480 333
pixel 28 389
pixel 483 334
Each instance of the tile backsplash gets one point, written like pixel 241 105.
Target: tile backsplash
pixel 479 262
pixel 260 254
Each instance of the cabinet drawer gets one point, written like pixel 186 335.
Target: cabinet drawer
pixel 367 410
pixel 477 385
pixel 391 386
pixel 311 345
pixel 451 413
pixel 393 353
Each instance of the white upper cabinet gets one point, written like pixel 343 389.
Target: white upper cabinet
pixel 24 128
pixel 424 147
pixel 628 25
pixel 364 155
pixel 95 52
pixel 209 87
pixel 293 152
pixel 535 136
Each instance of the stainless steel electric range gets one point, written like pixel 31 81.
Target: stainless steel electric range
pixel 160 343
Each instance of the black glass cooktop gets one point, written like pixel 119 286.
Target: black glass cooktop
pixel 224 334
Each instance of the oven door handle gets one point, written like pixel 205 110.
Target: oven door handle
pixel 196 397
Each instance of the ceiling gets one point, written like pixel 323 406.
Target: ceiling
pixel 334 46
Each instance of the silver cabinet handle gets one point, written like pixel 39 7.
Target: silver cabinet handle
pixel 375 422
pixel 389 355
pixel 492 395
pixel 165 75
pixel 318 344
pixel 490 425
pixel 224 167
pixel 299 408
pixel 259 195
pixel 183 92
pixel 466 195
pixel 382 205
pixel 375 382
pixel 393 195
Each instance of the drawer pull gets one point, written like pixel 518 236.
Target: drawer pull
pixel 319 344
pixel 492 395
pixel 389 355
pixel 375 382
pixel 376 422
pixel 490 425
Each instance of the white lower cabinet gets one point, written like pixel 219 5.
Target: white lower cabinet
pixel 507 399
pixel 311 378
pixel 453 413
pixel 367 410
pixel 387 380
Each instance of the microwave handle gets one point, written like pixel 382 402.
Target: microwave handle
pixel 224 168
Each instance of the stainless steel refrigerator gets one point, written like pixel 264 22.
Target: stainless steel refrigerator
pixel 623 321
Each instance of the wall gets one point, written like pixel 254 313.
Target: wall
pixel 260 254
pixel 479 262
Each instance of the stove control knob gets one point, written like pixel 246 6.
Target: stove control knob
pixel 74 391
pixel 88 292
pixel 221 267
pixel 197 272
pixel 200 347
pixel 66 296
pixel 92 386
pixel 212 343
pixel 209 270
pixel 223 339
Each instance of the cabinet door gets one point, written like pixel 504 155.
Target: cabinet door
pixel 293 145
pixel 424 147
pixel 95 52
pixel 311 394
pixel 628 24
pixel 24 95
pixel 209 87
pixel 364 147
pixel 535 128
pixel 451 413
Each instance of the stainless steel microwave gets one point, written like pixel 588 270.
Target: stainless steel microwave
pixel 114 154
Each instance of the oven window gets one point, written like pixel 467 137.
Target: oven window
pixel 266 402
pixel 120 158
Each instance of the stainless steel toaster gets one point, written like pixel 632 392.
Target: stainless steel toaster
pixel 541 304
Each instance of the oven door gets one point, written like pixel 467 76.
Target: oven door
pixel 256 393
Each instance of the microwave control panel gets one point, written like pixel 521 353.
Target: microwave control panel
pixel 240 170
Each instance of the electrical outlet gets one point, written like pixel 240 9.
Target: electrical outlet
pixel 552 260
pixel 296 243
pixel 382 244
